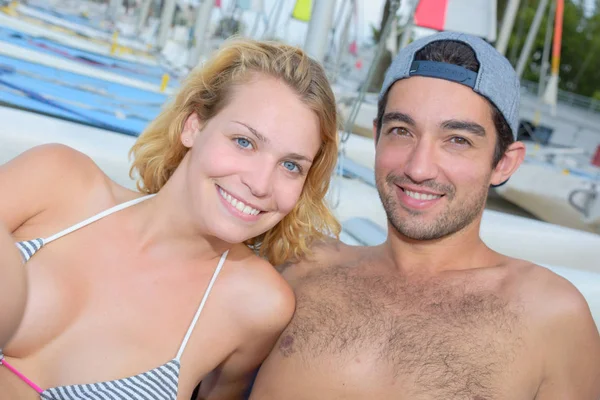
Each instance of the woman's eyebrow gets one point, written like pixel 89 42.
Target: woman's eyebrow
pixel 253 131
pixel 264 139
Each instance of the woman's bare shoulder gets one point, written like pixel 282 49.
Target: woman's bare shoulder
pixel 269 301
pixel 48 178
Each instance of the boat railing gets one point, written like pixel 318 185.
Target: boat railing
pixel 568 98
pixel 589 207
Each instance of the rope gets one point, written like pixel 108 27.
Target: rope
pixel 335 192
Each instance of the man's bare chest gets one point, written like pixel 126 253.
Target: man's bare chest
pixel 435 336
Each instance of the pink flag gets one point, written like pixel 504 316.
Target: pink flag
pixel 476 17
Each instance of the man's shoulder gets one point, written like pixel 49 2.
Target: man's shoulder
pixel 567 336
pixel 550 299
pixel 323 254
pixel 540 283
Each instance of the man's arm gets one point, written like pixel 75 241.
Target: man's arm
pixel 225 387
pixel 13 287
pixel 573 348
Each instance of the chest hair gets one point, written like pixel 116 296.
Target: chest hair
pixel 452 338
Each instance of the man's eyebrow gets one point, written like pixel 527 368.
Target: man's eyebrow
pixel 457 125
pixel 258 135
pixel 398 117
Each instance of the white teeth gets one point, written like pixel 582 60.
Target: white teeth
pixel 238 204
pixel 421 196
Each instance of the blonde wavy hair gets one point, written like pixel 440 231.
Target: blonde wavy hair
pixel 206 91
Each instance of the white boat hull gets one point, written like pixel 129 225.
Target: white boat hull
pixel 544 191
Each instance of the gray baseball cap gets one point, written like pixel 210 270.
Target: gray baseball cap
pixel 496 80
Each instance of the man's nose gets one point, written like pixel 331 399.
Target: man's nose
pixel 422 164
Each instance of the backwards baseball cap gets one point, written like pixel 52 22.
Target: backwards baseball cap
pixel 496 79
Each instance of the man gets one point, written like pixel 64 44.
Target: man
pixel 433 313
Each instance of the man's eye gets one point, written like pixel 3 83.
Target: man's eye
pixel 399 131
pixel 460 140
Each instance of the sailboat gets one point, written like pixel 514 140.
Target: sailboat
pixel 556 184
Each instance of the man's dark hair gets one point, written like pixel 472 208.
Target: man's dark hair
pixel 458 53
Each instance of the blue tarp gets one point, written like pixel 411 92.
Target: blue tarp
pixel 75 97
pixel 147 73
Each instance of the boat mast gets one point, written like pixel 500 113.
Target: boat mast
pixel 273 20
pixel 318 29
pixel 510 14
pixel 410 22
pixel 551 94
pixel 546 51
pixel 533 30
pixel 166 18
pixel 113 10
pixel 144 11
pixel 343 39
pixel 200 31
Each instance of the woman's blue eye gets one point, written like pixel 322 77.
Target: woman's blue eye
pixel 243 142
pixel 290 166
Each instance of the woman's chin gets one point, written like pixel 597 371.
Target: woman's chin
pixel 232 237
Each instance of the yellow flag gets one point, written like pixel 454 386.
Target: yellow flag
pixel 302 10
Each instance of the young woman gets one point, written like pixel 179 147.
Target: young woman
pixel 142 295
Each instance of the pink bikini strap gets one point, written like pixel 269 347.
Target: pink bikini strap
pixel 20 375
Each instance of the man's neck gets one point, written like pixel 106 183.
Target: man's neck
pixel 459 251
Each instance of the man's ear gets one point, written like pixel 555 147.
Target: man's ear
pixel 509 163
pixel 191 127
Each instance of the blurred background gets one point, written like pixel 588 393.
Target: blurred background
pixel 92 74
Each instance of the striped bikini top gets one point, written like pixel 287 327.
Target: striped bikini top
pixel 158 383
